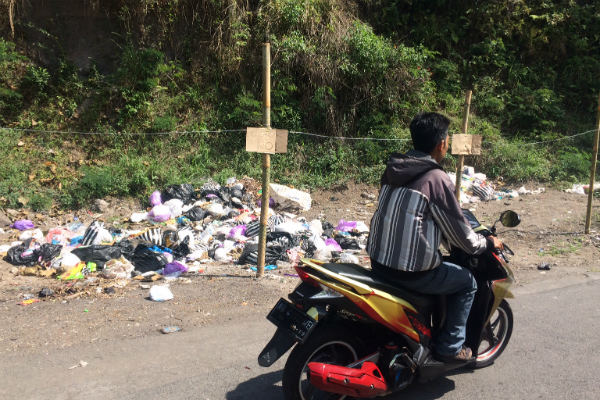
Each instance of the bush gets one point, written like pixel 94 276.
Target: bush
pixel 35 83
pixel 517 162
pixel 40 201
pixel 570 165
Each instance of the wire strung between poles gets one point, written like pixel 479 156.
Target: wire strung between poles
pixel 29 130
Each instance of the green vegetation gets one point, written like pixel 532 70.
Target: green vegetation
pixel 360 68
pixel 565 248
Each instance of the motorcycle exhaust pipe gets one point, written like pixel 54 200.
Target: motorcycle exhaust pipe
pixel 365 382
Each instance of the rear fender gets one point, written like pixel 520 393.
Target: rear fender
pixel 281 342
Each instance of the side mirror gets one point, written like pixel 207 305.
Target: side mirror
pixel 510 219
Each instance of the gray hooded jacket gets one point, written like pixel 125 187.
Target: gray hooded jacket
pixel 417 211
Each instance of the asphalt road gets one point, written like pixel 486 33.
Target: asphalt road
pixel 553 353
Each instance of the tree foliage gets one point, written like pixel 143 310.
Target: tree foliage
pixel 339 68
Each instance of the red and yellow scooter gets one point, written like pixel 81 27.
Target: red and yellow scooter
pixel 356 335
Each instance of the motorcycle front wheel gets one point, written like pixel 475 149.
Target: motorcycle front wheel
pixel 331 345
pixel 495 337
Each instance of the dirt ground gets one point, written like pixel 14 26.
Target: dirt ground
pixel 551 232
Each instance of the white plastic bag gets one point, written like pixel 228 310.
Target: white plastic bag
pixel 117 269
pixel 175 206
pixel 348 258
pixel 287 197
pixel 69 261
pixel 32 233
pixel 160 293
pixel 215 209
pixel 138 217
pixel 160 213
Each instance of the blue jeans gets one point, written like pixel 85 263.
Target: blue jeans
pixel 459 286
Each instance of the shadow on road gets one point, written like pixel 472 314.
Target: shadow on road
pixel 262 387
pixel 424 391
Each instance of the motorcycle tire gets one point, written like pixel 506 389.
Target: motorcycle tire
pixel 328 344
pixel 495 336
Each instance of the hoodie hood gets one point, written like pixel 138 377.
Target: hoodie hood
pixel 405 168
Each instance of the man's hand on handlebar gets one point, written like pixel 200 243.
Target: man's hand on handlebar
pixel 496 242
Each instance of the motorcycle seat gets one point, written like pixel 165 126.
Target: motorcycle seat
pixel 422 302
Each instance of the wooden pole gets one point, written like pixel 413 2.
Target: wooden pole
pixel 461 158
pixel 588 217
pixel 266 161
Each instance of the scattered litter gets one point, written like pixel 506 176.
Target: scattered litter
pixel 160 293
pixel 81 364
pixel 476 187
pixel 267 268
pixel 186 228
pixel 46 292
pixel 583 189
pixel 170 329
pixel 544 266
pixel 29 301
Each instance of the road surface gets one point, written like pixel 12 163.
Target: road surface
pixel 553 353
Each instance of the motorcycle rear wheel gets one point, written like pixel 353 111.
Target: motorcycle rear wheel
pixel 496 335
pixel 331 345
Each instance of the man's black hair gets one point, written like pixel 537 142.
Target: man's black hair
pixel 428 130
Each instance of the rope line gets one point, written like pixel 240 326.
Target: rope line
pixel 562 138
pixel 346 138
pixel 26 130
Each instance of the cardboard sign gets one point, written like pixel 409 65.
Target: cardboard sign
pixel 266 140
pixel 466 144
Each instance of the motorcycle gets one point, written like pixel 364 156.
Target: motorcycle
pixel 357 335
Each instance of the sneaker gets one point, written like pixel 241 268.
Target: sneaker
pixel 464 355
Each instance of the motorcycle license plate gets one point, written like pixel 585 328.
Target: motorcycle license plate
pixel 287 317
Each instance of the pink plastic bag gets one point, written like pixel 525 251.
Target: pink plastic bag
pixel 23 225
pixel 332 245
pixel 237 231
pixel 155 198
pixel 174 267
pixel 345 226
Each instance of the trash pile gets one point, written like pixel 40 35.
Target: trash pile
pixel 476 187
pixel 579 188
pixel 183 229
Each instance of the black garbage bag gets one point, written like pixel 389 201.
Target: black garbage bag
pixel 283 239
pixel 48 252
pixel 210 194
pixel 272 254
pixel 195 214
pixel 184 192
pixel 146 260
pixel 346 242
pixel 328 229
pixel 308 247
pixel 127 248
pixel 181 249
pixel 15 255
pixel 237 193
pixel 98 254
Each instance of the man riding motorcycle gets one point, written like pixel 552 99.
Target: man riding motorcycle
pixel 416 212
